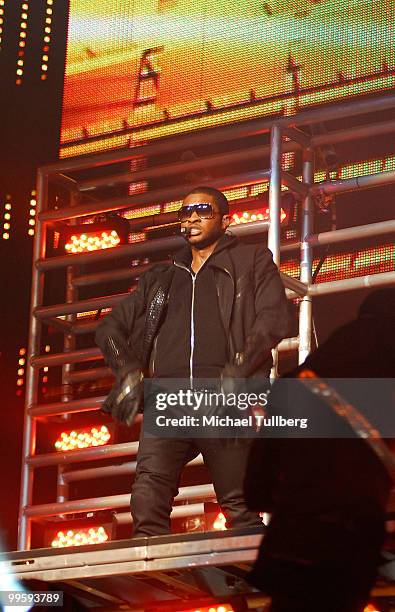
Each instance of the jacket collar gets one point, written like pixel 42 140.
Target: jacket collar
pixel 219 258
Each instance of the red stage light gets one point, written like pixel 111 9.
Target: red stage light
pixel 85 438
pixel 101 232
pixel 215 608
pixel 249 216
pixel 92 241
pixel 80 537
pixel 219 523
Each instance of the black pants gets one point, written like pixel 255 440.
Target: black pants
pixel 159 465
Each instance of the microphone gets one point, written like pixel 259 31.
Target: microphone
pixel 186 231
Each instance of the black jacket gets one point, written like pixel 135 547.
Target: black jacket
pixel 252 305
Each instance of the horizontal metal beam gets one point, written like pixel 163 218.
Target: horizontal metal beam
pixel 135 251
pixel 97 303
pixel 128 468
pixel 148 197
pixel 109 502
pixel 209 161
pixel 353 184
pixel 87 404
pixel 205 137
pixel 361 282
pixel 88 354
pixel 77 376
pixel 352 233
pixel 330 112
pixel 294 184
pixel 125 518
pixel 294 284
pixel 354 133
pixel 110 275
pixel 86 454
pixel 84 327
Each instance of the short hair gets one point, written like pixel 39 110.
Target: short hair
pixel 218 196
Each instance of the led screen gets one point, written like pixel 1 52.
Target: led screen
pixel 140 69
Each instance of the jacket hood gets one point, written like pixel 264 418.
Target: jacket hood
pixel 184 255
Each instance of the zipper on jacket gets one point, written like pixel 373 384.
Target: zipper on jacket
pixel 192 341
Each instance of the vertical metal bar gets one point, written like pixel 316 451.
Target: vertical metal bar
pixel 275 193
pixel 62 489
pixel 32 374
pixel 274 210
pixel 306 257
pixel 69 344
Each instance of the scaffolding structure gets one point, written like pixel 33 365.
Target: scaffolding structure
pixel 286 134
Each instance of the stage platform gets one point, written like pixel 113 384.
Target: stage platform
pixel 168 573
pixel 176 572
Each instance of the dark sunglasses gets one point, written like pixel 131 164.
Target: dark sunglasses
pixel 203 210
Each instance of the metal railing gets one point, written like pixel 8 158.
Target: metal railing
pixel 285 135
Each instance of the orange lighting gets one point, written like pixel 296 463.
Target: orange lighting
pixel 92 242
pixel 80 537
pixel 220 522
pixel 220 608
pixel 250 216
pixel 371 608
pixel 83 439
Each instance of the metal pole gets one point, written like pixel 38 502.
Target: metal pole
pixel 203 491
pixel 306 258
pixel 349 284
pixel 354 184
pixel 273 241
pixel 149 197
pixel 62 489
pixel 32 377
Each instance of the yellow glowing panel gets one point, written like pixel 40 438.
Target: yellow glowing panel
pixel 162 67
pixel 340 266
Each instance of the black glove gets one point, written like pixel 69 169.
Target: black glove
pixel 125 398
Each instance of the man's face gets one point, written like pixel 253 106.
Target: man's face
pixel 204 232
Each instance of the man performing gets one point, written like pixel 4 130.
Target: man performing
pixel 217 310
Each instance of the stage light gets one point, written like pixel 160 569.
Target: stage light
pixel 85 438
pixel 371 608
pixel 32 212
pixel 219 523
pixel 216 608
pixel 7 218
pixel 106 234
pixel 22 36
pixel 80 537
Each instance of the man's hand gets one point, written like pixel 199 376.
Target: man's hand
pixel 125 398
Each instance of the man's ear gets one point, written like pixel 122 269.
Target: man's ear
pixel 225 221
